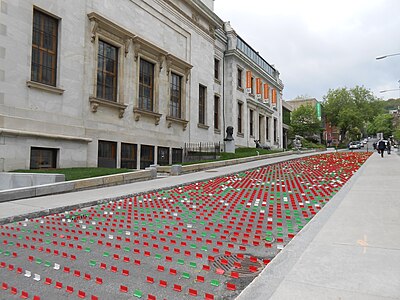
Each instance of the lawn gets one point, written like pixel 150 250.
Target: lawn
pixel 79 173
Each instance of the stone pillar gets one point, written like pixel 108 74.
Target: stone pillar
pixel 230 146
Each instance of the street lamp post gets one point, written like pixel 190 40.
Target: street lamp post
pixel 383 57
pixel 387 55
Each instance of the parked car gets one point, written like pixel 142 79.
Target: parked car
pixel 354 145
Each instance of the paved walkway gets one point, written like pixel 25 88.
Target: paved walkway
pixel 349 250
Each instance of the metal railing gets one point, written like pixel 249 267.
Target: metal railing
pixel 201 151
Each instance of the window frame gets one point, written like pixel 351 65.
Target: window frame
pixel 146 161
pixel 142 86
pixel 160 150
pixel 171 112
pixel 107 161
pixel 240 117
pixel 239 75
pixel 126 160
pixel 251 122
pixel 216 68
pixel 41 151
pixel 40 83
pixel 202 104
pixel 114 73
pixel 179 67
pixel 108 32
pixel 217 112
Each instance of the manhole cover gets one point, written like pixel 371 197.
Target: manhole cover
pixel 238 265
pixel 244 238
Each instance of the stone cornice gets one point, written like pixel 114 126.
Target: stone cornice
pixel 16 132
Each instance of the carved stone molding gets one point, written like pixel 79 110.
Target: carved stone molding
pixel 94 106
pixel 161 59
pixel 136 49
pixel 138 113
pixel 44 87
pixel 171 120
pixel 93 29
pixel 128 42
pixel 96 102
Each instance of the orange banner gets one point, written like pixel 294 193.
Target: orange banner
pixel 258 86
pixel 266 91
pixel 248 80
pixel 274 97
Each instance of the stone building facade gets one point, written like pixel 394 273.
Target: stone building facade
pixel 124 83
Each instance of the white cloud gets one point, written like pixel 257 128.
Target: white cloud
pixel 317 45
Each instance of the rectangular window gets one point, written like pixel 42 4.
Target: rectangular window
pixel 251 116
pixel 216 112
pixel 216 68
pixel 177 156
pixel 202 104
pixel 267 128
pixel 176 96
pixel 239 78
pixel 146 156
pixel 107 65
pixel 275 130
pixel 252 85
pixel 43 158
pixel 163 156
pixel 128 156
pixel 107 154
pixel 146 85
pixel 44 48
pixel 239 116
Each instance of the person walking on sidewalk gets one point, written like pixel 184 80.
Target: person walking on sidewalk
pixel 389 145
pixel 381 146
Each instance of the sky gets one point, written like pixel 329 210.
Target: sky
pixel 318 45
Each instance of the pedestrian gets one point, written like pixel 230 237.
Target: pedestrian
pixel 381 146
pixel 388 146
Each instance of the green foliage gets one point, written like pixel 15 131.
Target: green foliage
pixel 78 173
pixel 304 121
pixel 310 145
pixel 391 104
pixel 396 133
pixel 351 110
pixel 382 123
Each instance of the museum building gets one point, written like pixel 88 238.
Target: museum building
pixel 127 83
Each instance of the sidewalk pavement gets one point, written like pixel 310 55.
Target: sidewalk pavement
pixel 349 250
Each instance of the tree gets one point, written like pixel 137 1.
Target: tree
pixel 351 109
pixel 396 133
pixel 304 121
pixel 382 123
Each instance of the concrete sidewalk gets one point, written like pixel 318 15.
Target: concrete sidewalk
pixel 349 250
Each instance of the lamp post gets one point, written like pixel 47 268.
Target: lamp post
pixel 391 90
pixel 387 55
pixel 383 57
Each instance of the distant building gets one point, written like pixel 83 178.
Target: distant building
pixel 330 133
pixel 297 102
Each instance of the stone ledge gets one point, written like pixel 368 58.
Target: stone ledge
pixel 76 185
pixel 221 163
